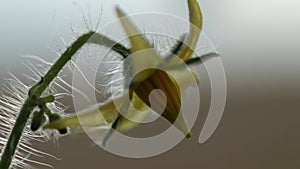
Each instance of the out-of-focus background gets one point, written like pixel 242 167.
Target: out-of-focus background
pixel 259 44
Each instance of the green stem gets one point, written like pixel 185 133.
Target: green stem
pixel 37 90
pixel 111 44
pixel 60 63
pixel 30 103
pixel 16 134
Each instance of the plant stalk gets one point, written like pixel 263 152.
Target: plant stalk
pixel 35 92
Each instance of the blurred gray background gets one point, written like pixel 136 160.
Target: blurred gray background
pixel 259 43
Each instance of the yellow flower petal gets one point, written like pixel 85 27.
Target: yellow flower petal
pixel 196 23
pixel 143 55
pixel 105 115
pixel 89 117
pixel 195 29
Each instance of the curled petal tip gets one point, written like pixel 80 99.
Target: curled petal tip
pixel 196 23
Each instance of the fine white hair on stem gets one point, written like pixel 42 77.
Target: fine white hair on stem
pixel 99 19
pixel 11 100
pixel 74 64
pixel 86 20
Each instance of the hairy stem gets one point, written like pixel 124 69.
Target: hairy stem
pixel 37 90
pixel 30 102
pixel 16 134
